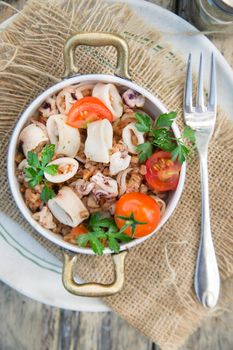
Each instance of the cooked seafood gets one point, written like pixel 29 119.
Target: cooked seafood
pixel 119 161
pixel 31 137
pixel 49 107
pixel 64 137
pixel 110 96
pixel 68 208
pixel 45 218
pixel 133 99
pixel 132 137
pixel 99 141
pixel 67 168
pixel 89 163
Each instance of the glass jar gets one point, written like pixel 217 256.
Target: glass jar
pixel 211 15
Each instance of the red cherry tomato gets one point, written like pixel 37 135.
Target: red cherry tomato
pixel 143 208
pixel 162 174
pixel 75 232
pixel 87 110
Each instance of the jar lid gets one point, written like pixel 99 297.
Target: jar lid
pixel 226 5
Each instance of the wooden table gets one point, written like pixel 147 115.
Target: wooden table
pixel 28 325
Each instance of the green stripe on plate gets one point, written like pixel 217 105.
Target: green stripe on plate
pixel 27 253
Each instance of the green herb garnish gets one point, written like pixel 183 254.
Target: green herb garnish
pixel 144 151
pixel 162 137
pixel 102 230
pixel 47 193
pixel 35 172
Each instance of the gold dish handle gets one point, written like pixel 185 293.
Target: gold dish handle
pixel 97 39
pixel 93 289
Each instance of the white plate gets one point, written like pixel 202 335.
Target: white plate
pixel 27 266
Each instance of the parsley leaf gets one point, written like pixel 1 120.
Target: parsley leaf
pixel 96 245
pixel 97 222
pixel 34 173
pixel 163 139
pixel 103 232
pixel 47 193
pixel 113 244
pixel 82 240
pixel 51 169
pixel 94 219
pixel 29 173
pixel 180 152
pixel 107 223
pixel 165 119
pixel 35 181
pixel 93 238
pixel 144 151
pixel 47 154
pixel 161 136
pixel 33 159
pixel 189 134
pixel 143 123
pixel 122 237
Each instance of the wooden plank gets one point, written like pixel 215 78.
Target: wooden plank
pixel 105 331
pixel 25 323
pixel 214 334
pixel 31 325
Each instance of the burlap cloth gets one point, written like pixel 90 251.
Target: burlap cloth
pixel 158 297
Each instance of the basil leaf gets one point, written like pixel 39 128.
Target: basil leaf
pixel 144 151
pixel 189 134
pixel 47 194
pixel 143 123
pixel 47 154
pixel 51 169
pixel 165 120
pixel 33 159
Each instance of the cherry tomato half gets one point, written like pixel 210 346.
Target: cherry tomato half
pixel 86 110
pixel 74 233
pixel 143 208
pixel 162 174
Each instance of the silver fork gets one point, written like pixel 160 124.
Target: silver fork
pixel 202 119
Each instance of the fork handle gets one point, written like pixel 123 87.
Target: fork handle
pixel 207 280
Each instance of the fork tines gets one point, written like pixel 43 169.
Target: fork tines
pixel 200 99
pixel 202 115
